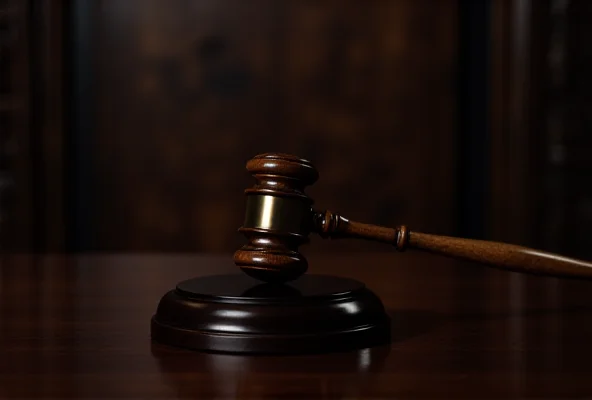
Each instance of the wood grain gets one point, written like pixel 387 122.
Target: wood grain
pixel 18 210
pixel 495 254
pixel 502 255
pixel 271 253
pixel 78 327
pixel 187 91
pixel 540 143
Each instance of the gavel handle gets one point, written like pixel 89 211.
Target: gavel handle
pixel 494 254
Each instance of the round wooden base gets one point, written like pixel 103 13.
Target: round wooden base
pixel 237 314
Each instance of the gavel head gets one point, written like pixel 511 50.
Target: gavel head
pixel 278 218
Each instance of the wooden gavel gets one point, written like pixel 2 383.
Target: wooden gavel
pixel 279 218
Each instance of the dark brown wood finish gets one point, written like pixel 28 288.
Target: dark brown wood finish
pixel 500 255
pixel 515 114
pixel 187 91
pixel 540 142
pixel 32 134
pixel 78 327
pixel 272 251
pixel 17 209
pixel 53 80
pixel 233 313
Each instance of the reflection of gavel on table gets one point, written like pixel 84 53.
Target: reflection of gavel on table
pixel 280 217
pixel 284 310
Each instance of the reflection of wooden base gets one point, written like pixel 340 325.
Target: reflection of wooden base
pixel 340 375
pixel 235 313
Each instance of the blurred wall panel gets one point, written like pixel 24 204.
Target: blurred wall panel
pixel 577 143
pixel 17 207
pixel 541 166
pixel 187 91
pixel 31 126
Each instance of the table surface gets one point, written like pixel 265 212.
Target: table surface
pixel 78 327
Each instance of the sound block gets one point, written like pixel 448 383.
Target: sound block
pixel 234 313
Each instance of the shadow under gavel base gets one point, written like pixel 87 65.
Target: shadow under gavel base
pixel 235 313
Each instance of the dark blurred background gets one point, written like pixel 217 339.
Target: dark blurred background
pixel 125 125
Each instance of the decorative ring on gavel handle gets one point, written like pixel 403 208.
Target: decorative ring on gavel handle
pixel 280 217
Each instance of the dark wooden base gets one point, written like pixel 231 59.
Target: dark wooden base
pixel 237 314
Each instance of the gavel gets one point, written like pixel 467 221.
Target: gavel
pixel 280 217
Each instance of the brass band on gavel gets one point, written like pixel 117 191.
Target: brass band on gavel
pixel 278 213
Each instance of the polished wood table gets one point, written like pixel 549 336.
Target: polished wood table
pixel 78 327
